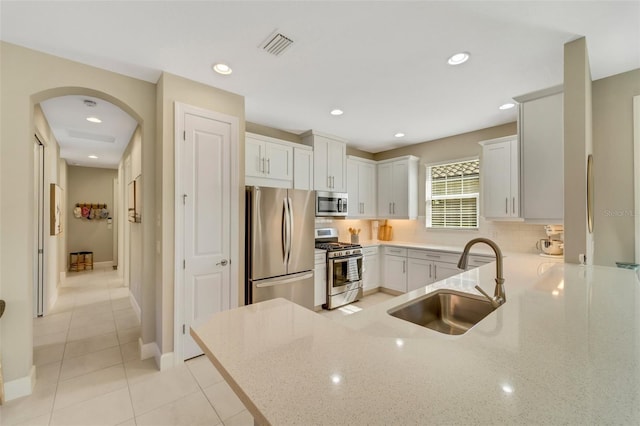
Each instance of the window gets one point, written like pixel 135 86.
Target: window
pixel 452 192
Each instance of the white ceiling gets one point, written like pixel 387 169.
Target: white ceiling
pixel 383 63
pixel 79 138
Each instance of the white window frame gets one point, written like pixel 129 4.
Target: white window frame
pixel 429 197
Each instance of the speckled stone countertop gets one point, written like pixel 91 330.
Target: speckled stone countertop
pixel 563 349
pixel 478 249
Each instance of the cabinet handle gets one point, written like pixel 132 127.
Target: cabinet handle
pixel 435 272
pixel 403 266
pixel 513 205
pixel 262 165
pixel 506 205
pixel 268 166
pixel 430 270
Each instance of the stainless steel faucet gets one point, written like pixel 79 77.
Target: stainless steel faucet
pixel 499 296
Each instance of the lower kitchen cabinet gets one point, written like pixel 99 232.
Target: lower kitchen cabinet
pixel 371 266
pixel 420 273
pixel 320 279
pixel 395 269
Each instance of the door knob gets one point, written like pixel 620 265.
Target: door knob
pixel 223 262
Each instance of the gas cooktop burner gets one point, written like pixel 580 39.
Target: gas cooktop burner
pixel 336 246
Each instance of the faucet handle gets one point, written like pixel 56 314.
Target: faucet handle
pixel 495 301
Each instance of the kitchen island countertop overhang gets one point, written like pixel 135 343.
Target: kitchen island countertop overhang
pixel 565 348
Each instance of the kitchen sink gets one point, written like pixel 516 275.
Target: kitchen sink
pixel 446 311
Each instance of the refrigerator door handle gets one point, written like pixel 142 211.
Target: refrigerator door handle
pixel 290 233
pixel 284 280
pixel 285 224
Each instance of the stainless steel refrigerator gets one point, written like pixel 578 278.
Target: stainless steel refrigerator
pixel 279 246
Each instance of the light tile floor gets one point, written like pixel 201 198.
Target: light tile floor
pixel 89 370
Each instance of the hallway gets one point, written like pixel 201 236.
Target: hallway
pixel 89 370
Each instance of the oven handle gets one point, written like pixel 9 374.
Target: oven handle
pixel 345 258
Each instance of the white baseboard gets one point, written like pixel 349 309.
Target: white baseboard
pixel 135 306
pixel 148 350
pixel 20 387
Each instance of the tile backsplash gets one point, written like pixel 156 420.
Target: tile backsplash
pixel 510 236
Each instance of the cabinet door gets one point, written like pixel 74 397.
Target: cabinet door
pixel 353 188
pixel 443 270
pixel 302 169
pixel 400 189
pixel 253 155
pixel 321 180
pixel 420 273
pixel 395 273
pixel 337 166
pixel 371 273
pixel 367 185
pixel 541 135
pixel 385 191
pixel 278 161
pixel 496 178
pixel 320 284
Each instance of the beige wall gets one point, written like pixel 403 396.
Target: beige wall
pixel 172 89
pixel 272 132
pixel 613 167
pixel 577 147
pixel 90 185
pixel 27 78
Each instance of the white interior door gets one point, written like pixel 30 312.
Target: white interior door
pixel 206 182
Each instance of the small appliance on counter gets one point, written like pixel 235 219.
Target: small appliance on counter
pixel 344 268
pixel 553 245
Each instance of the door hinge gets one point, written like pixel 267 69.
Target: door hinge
pixel 184 135
pixel 184 199
pixel 40 251
pixel 184 264
pixel 184 329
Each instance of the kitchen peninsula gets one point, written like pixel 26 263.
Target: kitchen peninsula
pixel 564 348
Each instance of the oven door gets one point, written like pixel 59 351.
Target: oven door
pixel 345 273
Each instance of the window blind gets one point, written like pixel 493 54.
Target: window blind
pixel 452 192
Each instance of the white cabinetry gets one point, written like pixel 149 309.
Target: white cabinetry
pixel 320 278
pixel 303 167
pixel 541 135
pixel 500 178
pixel 329 161
pixel 427 266
pixel 362 187
pixel 398 188
pixel 371 266
pixel 268 161
pixel 395 269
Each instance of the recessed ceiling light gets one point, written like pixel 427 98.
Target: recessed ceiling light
pixel 337 112
pixel 458 58
pixel 94 119
pixel 223 69
pixel 93 156
pixel 399 135
pixel 508 105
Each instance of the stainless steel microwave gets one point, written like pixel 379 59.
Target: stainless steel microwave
pixel 331 204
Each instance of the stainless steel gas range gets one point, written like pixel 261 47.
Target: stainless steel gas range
pixel 344 268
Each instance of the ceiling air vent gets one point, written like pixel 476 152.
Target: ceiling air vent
pixel 276 43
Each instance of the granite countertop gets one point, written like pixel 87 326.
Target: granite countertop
pixel 564 348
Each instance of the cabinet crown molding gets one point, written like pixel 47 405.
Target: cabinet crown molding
pixel 306 136
pixel 404 157
pixel 539 94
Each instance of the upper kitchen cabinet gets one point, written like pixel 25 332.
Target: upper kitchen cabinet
pixel 302 167
pixel 398 188
pixel 329 161
pixel 500 178
pixel 541 135
pixel 361 186
pixel 268 161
